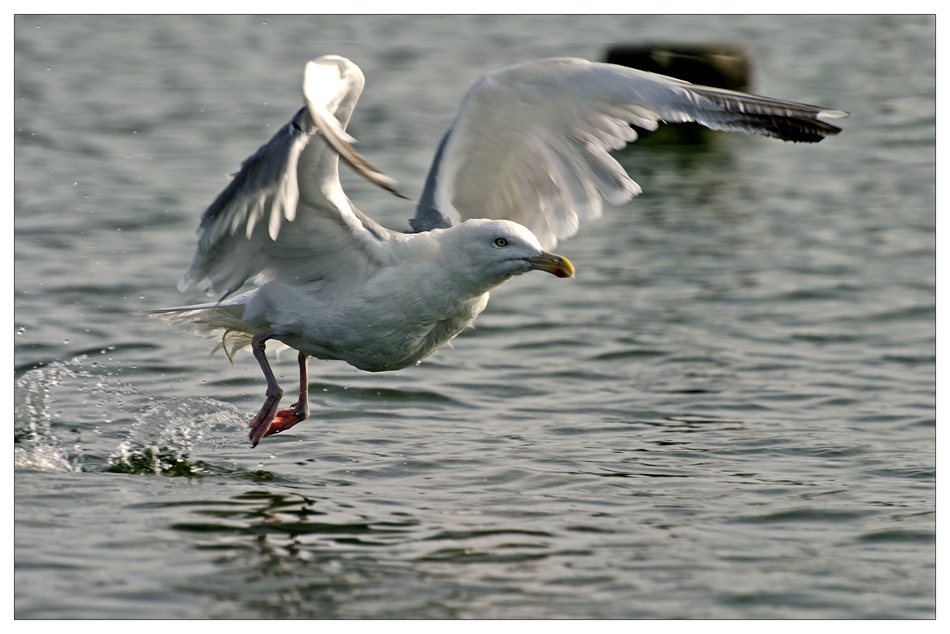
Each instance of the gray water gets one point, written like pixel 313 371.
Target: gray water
pixel 728 413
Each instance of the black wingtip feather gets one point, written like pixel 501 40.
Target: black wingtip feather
pixel 787 128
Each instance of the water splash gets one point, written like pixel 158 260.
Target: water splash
pixel 36 444
pixel 78 416
pixel 164 436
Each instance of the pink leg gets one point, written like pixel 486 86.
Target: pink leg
pixel 270 420
pixel 261 423
pixel 299 411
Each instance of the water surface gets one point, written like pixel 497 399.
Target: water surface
pixel 728 413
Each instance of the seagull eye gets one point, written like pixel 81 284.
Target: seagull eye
pixel 501 242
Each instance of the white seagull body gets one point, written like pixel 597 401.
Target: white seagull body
pixel 526 158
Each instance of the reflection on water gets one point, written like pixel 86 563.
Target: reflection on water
pixel 281 557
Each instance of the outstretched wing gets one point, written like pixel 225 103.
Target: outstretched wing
pixel 531 142
pixel 284 215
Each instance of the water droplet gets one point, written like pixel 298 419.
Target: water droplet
pixel 20 330
pixel 65 342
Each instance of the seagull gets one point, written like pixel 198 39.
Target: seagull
pixel 525 160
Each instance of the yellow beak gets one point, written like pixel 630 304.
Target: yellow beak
pixel 552 263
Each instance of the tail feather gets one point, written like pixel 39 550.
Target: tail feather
pixel 209 320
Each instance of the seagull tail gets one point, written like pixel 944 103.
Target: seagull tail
pixel 213 320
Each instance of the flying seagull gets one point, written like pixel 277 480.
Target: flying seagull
pixel 527 157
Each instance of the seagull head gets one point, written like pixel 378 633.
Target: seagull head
pixel 490 252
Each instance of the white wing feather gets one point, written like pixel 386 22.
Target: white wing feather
pixel 531 142
pixel 284 214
